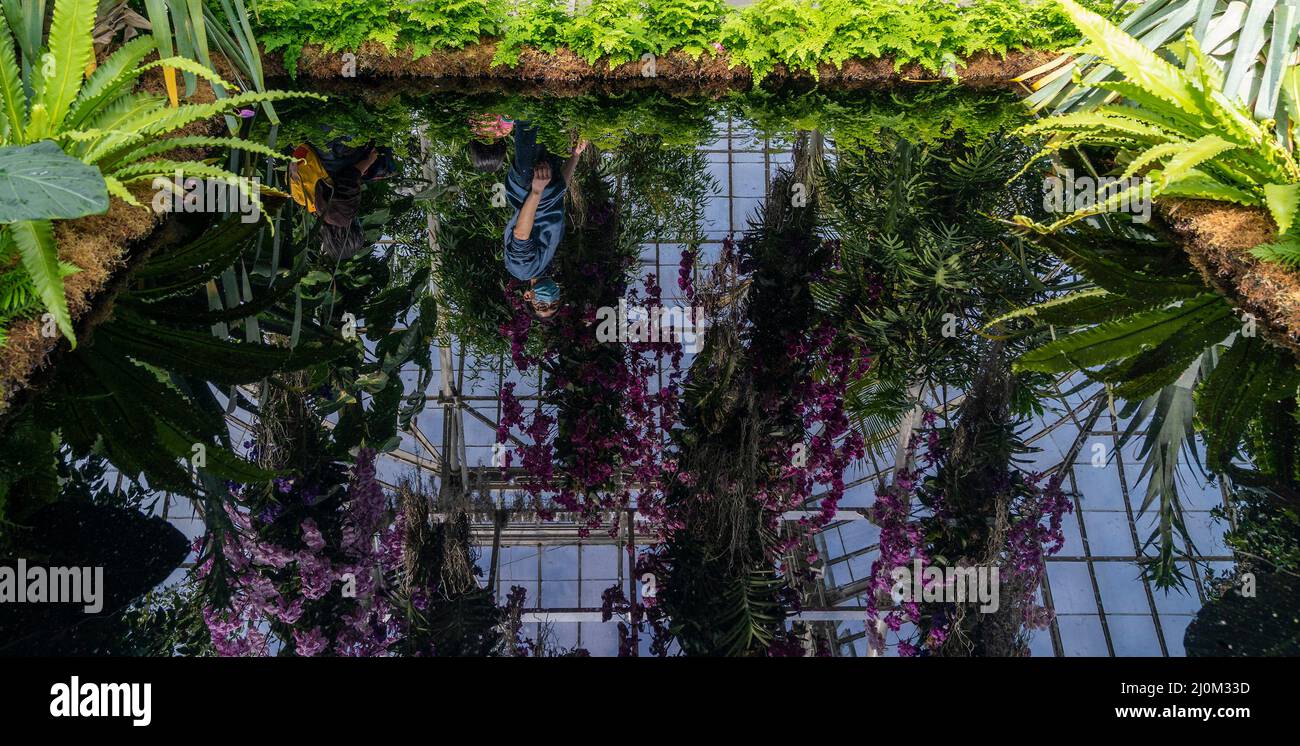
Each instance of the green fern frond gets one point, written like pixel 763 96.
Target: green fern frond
pixel 1286 253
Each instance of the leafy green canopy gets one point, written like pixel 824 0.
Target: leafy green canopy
pixel 797 33
pixel 859 122
pixel 612 121
pixel 923 258
pixel 542 24
pixel 1254 49
pixel 100 119
pixel 621 30
pixel 347 24
pixel 1143 322
pixel 1179 130
pixel 647 134
pixel 936 35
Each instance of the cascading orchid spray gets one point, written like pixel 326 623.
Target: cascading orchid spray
pixel 313 584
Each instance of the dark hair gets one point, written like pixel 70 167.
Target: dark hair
pixel 487 156
pixel 540 319
pixel 342 242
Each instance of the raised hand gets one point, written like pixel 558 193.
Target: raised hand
pixel 541 176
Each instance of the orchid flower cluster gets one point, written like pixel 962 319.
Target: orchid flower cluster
pixel 823 366
pixel 611 429
pixel 310 577
pixel 908 537
pixel 598 439
pixel 638 616
pixel 797 370
pixel 902 539
pixel 819 402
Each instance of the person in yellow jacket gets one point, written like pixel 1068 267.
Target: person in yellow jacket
pixel 329 184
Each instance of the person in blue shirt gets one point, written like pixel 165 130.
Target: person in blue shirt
pixel 535 188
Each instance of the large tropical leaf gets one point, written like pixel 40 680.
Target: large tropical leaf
pixel 202 355
pixel 41 182
pixel 1282 200
pixel 1129 56
pixel 1085 307
pixel 1190 138
pixel 13 99
pixel 1249 46
pixel 190 265
pixel 40 257
pixel 198 141
pixel 1192 155
pixel 71 49
pixel 1165 420
pixel 1148 371
pixel 1137 269
pixel 1249 376
pixel 1121 338
pixel 105 393
pixel 110 80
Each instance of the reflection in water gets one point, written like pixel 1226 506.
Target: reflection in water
pixel 536 187
pixel 328 184
pixel 839 359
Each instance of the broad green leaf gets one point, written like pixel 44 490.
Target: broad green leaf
pixel 13 99
pixel 161 26
pixel 1085 307
pixel 71 49
pixel 1151 155
pixel 1122 271
pixel 1093 121
pixel 1250 374
pixel 1114 340
pixel 40 257
pixel 109 80
pixel 1286 24
pixel 1291 97
pixel 1193 155
pixel 40 181
pixel 198 141
pixel 200 354
pixel 1138 63
pixel 1147 372
pixel 1196 184
pixel 1281 200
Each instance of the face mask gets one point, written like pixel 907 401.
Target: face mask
pixel 546 291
